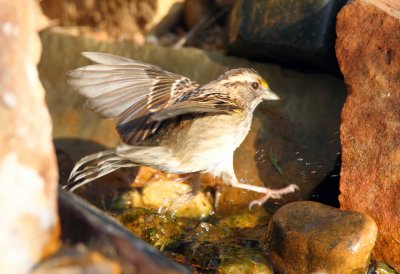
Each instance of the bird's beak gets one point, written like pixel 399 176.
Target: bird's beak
pixel 270 95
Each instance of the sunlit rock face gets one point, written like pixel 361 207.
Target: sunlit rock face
pixel 368 52
pixel 28 172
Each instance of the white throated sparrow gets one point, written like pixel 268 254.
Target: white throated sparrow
pixel 169 122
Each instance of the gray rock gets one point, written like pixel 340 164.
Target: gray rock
pixel 286 30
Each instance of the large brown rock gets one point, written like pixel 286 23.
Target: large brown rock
pixel 308 237
pixel 293 140
pixel 28 171
pixel 368 51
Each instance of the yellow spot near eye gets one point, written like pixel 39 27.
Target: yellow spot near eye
pixel 263 83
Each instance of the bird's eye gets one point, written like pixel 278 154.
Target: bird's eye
pixel 255 85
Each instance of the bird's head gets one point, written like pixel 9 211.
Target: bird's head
pixel 247 84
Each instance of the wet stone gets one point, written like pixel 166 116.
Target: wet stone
pixel 170 196
pixel 241 260
pixel 216 248
pixel 308 237
pixel 246 220
pixel 286 30
pixel 208 233
pixel 160 230
pixel 381 268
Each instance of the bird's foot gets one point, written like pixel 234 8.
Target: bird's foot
pixel 188 195
pixel 274 194
pixel 184 178
pixel 182 200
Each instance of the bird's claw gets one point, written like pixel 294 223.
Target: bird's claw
pixel 274 194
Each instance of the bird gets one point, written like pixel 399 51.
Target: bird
pixel 168 122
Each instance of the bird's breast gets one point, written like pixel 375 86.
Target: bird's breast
pixel 208 143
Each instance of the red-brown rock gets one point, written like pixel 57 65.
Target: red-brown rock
pixel 368 51
pixel 28 171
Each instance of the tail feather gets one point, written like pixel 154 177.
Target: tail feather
pixel 86 160
pixel 95 166
pixel 101 169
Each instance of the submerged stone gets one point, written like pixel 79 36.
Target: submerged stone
pixel 245 220
pixel 244 260
pixel 160 230
pixel 221 249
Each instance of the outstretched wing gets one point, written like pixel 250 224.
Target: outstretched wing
pixel 127 90
pixel 140 96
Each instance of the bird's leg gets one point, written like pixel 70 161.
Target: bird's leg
pixel 184 178
pixel 230 179
pixel 217 196
pixel 186 197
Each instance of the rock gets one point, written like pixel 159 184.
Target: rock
pixel 308 237
pixel 167 15
pixel 294 140
pixel 381 268
pixel 368 52
pixel 289 31
pixel 159 230
pixel 165 194
pixel 115 19
pixel 225 3
pixel 206 233
pixel 84 224
pixel 78 260
pixel 222 250
pixel 29 227
pixel 246 220
pixel 244 260
pixel 195 10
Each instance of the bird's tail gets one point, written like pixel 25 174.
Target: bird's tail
pixel 95 166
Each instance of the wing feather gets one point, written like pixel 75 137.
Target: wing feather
pixel 140 96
